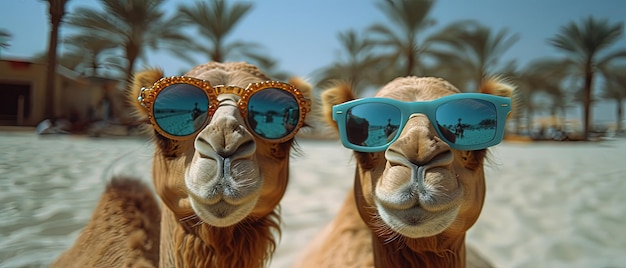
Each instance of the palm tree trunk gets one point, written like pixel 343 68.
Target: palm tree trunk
pixel 56 10
pixel 620 116
pixel 529 120
pixel 411 56
pixel 563 118
pixel 94 64
pixel 217 53
pixel 587 99
pixel 518 129
pixel 132 52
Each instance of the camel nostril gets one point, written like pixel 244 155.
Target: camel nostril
pixel 236 143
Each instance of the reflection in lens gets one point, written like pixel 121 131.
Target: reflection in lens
pixel 372 124
pixel 273 113
pixel 467 122
pixel 181 109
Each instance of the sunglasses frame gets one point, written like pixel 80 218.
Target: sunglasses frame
pixel 147 97
pixel 428 108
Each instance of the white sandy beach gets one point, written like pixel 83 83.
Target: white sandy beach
pixel 547 204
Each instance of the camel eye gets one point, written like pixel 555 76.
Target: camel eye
pixel 372 124
pixel 273 113
pixel 467 121
pixel 180 110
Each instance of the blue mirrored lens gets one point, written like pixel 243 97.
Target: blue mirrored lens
pixel 467 122
pixel 273 113
pixel 181 109
pixel 372 124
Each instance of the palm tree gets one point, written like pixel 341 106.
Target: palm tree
pixel 215 21
pixel 541 76
pixel 56 10
pixel 87 47
pixel 134 25
pixel 5 37
pixel 357 67
pixel 408 18
pixel 528 83
pixel 267 65
pixel 616 90
pixel 471 49
pixel 583 44
pixel 553 81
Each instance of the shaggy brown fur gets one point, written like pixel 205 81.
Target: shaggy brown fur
pixel 130 216
pixel 188 241
pixel 185 175
pixel 377 177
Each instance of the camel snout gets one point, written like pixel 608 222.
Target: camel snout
pixel 225 136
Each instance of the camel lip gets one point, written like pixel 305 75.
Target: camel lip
pixel 235 181
pixel 416 222
pixel 222 209
pixel 218 202
pixel 221 213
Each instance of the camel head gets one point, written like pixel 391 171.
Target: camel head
pixel 419 147
pixel 223 135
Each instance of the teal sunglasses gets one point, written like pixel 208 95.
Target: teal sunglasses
pixel 465 121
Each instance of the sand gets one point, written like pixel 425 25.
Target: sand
pixel 547 204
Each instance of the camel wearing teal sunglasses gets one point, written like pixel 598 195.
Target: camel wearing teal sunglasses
pixel 419 183
pixel 223 135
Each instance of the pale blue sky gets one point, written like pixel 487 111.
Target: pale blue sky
pixel 302 35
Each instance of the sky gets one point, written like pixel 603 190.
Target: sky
pixel 302 34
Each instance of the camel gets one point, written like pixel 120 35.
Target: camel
pixel 218 178
pixel 414 201
pixel 130 216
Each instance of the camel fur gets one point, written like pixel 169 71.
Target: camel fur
pixel 447 207
pixel 208 219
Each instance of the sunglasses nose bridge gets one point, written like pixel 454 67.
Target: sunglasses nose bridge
pixel 419 141
pixel 418 119
pixel 417 114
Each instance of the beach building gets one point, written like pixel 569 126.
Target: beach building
pixel 77 98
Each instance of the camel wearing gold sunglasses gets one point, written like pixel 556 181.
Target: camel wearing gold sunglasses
pixel 413 200
pixel 223 136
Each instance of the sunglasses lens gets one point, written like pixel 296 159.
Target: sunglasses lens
pixel 181 109
pixel 372 124
pixel 467 122
pixel 273 113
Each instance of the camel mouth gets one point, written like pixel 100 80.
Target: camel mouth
pixel 223 191
pixel 222 213
pixel 416 222
pixel 418 201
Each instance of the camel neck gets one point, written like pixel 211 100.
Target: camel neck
pixel 401 253
pixel 169 228
pixel 209 246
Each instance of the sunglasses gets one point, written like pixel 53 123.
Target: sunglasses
pixel 179 107
pixel 465 121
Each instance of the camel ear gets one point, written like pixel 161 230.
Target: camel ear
pixel 501 87
pixel 497 86
pixel 307 90
pixel 142 79
pixel 303 86
pixel 338 93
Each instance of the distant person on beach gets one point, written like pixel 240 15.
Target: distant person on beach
pixel 390 130
pixel 195 112
pixel 459 129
